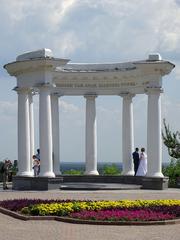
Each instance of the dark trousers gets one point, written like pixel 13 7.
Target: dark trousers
pixel 136 165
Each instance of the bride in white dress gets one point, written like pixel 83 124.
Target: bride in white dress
pixel 142 169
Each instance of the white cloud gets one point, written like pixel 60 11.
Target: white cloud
pixel 64 106
pixel 90 29
pixel 19 10
pixel 60 9
pixel 67 44
pixel 177 70
pixel 112 115
pixel 8 110
pixel 68 107
pixel 171 111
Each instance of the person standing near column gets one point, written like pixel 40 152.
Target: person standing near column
pixel 5 172
pixel 142 169
pixel 36 166
pixel 37 156
pixel 136 160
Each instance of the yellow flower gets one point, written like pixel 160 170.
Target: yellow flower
pixel 74 206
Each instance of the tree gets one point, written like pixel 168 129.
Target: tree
pixel 172 141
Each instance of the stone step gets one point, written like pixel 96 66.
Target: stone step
pixel 97 186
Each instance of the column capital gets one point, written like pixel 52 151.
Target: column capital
pixel 46 86
pixel 22 90
pixel 33 91
pixel 57 94
pixel 90 96
pixel 154 90
pixel 127 95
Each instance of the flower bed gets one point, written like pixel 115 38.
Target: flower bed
pixel 122 215
pixel 112 211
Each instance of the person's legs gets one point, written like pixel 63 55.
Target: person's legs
pixel 135 169
pixel 136 164
pixel 35 171
pixel 5 181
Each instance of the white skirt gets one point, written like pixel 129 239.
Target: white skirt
pixel 142 169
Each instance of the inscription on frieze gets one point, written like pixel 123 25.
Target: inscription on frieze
pixel 95 85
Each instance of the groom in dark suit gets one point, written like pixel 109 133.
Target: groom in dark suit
pixel 136 160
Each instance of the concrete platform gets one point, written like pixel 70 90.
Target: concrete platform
pixel 84 182
pixel 35 183
pixel 97 186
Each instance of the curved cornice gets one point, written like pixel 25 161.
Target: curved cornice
pixel 20 67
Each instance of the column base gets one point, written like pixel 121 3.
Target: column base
pixel 128 173
pixel 93 172
pixel 22 183
pixel 157 174
pixel 57 173
pixel 26 174
pixel 156 183
pixel 47 174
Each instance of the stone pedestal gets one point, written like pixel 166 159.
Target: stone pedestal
pixel 155 183
pixel 36 183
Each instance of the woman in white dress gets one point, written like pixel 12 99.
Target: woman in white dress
pixel 142 169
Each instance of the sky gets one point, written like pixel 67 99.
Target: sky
pixel 90 31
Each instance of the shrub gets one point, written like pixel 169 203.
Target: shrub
pixel 73 172
pixel 172 171
pixel 111 170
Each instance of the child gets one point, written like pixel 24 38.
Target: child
pixel 36 165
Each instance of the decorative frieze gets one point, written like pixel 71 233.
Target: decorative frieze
pixel 96 85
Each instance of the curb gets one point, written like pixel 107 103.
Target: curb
pixel 79 221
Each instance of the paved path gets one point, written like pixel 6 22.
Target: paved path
pixel 13 229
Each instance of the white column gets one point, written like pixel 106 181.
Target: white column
pixel 45 132
pixel 91 136
pixel 55 133
pixel 127 134
pixel 24 168
pixel 154 138
pixel 31 119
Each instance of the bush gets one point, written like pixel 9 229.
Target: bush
pixel 73 172
pixel 111 170
pixel 172 171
